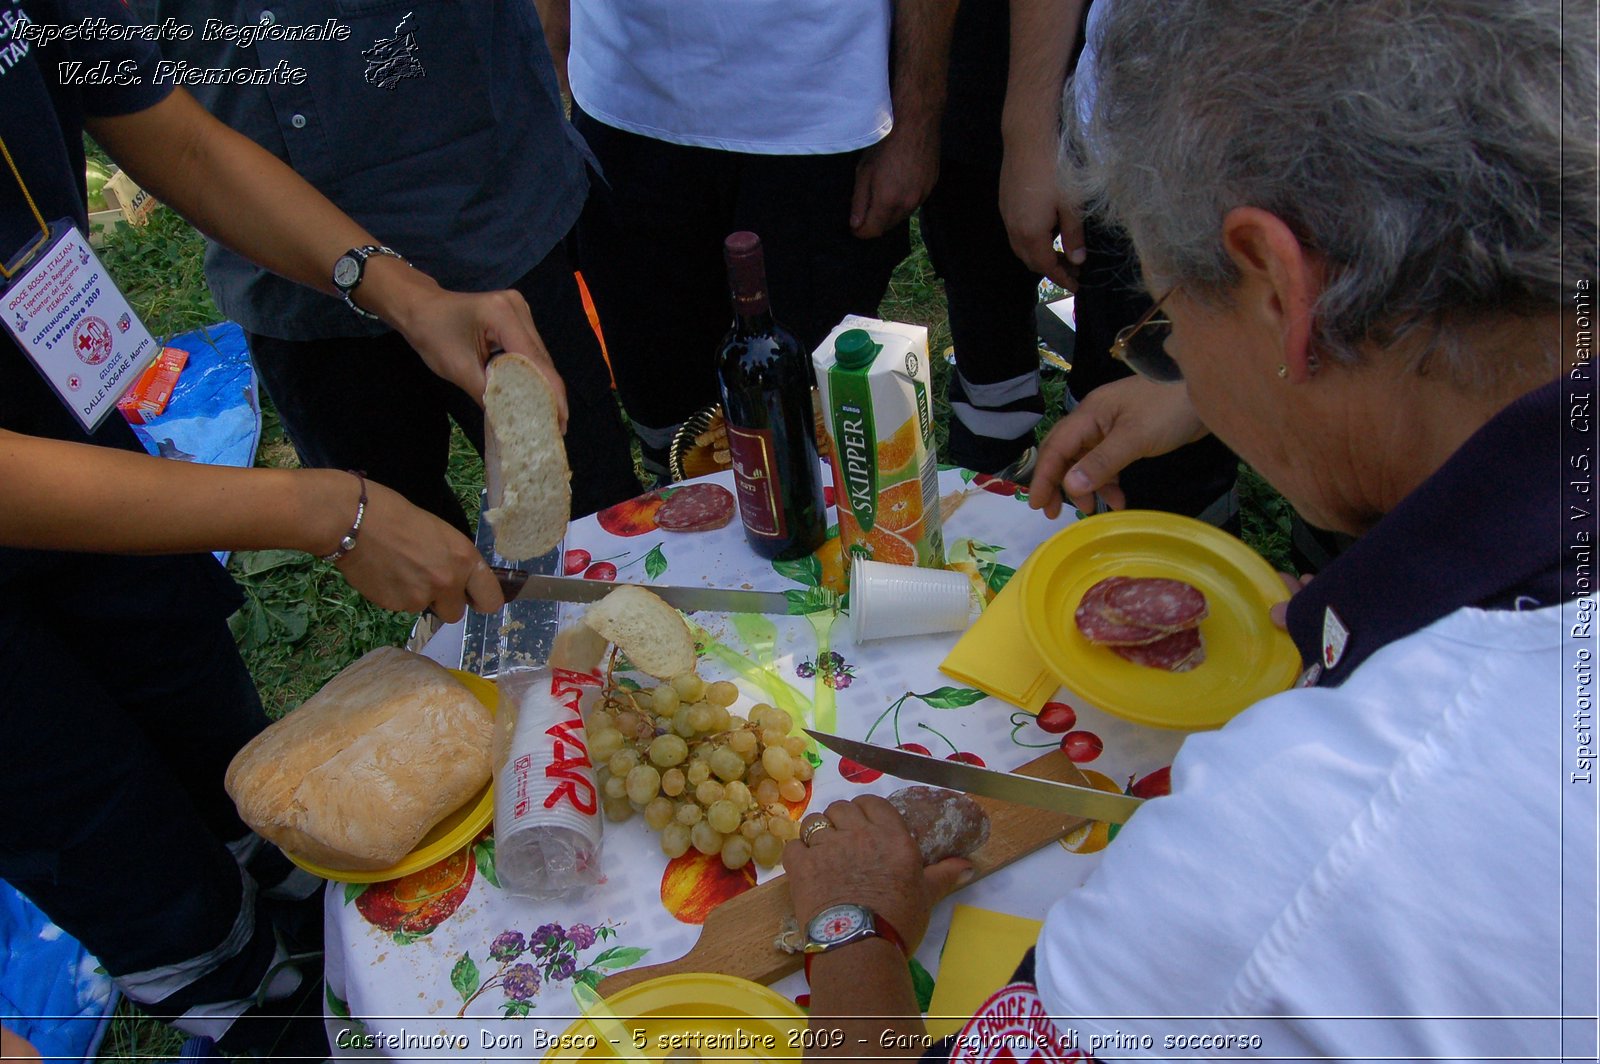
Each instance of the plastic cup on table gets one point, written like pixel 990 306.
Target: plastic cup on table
pixel 891 600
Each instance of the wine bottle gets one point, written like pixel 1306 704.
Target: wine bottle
pixel 765 379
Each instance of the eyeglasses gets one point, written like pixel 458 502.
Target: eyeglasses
pixel 1142 345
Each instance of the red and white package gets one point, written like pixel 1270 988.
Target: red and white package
pixel 546 802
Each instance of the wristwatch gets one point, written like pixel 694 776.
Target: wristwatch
pixel 840 925
pixel 350 267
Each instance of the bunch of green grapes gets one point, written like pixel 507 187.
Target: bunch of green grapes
pixel 702 777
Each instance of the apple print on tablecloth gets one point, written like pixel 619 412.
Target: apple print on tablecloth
pixel 533 963
pixel 633 517
pixel 412 906
pixel 694 883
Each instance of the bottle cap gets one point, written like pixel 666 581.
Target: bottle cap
pixel 854 348
pixel 741 245
pixel 747 272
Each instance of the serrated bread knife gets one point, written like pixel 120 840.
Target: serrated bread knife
pixel 1005 786
pixel 518 584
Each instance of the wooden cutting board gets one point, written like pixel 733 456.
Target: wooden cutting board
pixel 737 937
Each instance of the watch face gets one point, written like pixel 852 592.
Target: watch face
pixel 346 272
pixel 838 923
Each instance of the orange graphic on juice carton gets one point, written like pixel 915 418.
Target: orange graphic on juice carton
pixel 877 404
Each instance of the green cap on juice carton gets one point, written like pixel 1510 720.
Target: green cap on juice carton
pixel 854 348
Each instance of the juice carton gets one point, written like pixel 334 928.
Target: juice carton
pixel 149 395
pixel 877 402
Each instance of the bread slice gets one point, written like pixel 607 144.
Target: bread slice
pixel 356 776
pixel 535 495
pixel 651 633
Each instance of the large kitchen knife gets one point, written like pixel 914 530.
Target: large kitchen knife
pixel 518 584
pixel 1006 786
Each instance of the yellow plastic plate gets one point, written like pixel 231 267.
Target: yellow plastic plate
pixel 449 834
pixel 1247 657
pixel 719 1017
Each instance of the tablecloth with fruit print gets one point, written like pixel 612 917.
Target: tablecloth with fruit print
pixel 443 963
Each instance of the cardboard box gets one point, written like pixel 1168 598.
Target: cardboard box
pixel 152 392
pixel 127 204
pixel 123 194
pixel 878 409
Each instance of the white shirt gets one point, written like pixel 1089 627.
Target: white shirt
pixel 770 77
pixel 1393 847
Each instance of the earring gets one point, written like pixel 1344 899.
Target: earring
pixel 1283 371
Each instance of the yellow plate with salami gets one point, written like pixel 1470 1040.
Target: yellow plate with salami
pixel 1245 656
pixel 448 835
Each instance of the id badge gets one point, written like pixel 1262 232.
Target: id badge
pixel 72 321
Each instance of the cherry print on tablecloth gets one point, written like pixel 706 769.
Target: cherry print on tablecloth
pixel 938 698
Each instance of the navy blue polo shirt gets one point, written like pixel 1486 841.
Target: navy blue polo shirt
pixel 437 126
pixel 1485 530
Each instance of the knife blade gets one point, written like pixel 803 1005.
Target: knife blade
pixel 1024 790
pixel 519 584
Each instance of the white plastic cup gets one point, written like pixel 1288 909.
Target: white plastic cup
pixel 889 600
pixel 546 802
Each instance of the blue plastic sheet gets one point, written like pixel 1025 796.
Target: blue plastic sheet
pixel 51 990
pixel 214 416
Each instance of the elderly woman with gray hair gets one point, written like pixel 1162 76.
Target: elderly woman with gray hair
pixel 1370 225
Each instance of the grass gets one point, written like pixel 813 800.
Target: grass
pixel 301 623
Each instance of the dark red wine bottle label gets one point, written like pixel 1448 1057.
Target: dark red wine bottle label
pixel 755 477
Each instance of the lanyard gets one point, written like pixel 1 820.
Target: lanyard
pixel 44 230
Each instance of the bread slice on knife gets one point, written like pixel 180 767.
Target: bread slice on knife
pixel 533 503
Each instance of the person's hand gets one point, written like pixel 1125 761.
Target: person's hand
pixel 893 177
pixel 407 559
pixel 456 333
pixel 1035 210
pixel 1278 612
pixel 867 857
pixel 1114 425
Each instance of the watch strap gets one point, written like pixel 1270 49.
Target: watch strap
pixel 361 255
pixel 881 928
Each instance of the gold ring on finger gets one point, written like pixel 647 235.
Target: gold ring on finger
pixel 813 825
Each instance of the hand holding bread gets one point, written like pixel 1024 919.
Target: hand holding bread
pixel 529 481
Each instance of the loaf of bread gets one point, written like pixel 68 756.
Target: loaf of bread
pixel 356 776
pixel 532 484
pixel 650 632
pixel 944 823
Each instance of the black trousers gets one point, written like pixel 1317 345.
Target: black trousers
pixel 994 394
pixel 371 403
pixel 650 245
pixel 1110 297
pixel 122 700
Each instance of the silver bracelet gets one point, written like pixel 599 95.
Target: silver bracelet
pixel 348 542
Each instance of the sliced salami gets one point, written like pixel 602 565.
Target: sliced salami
pixel 696 508
pixel 1178 652
pixel 1152 602
pixel 1098 628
